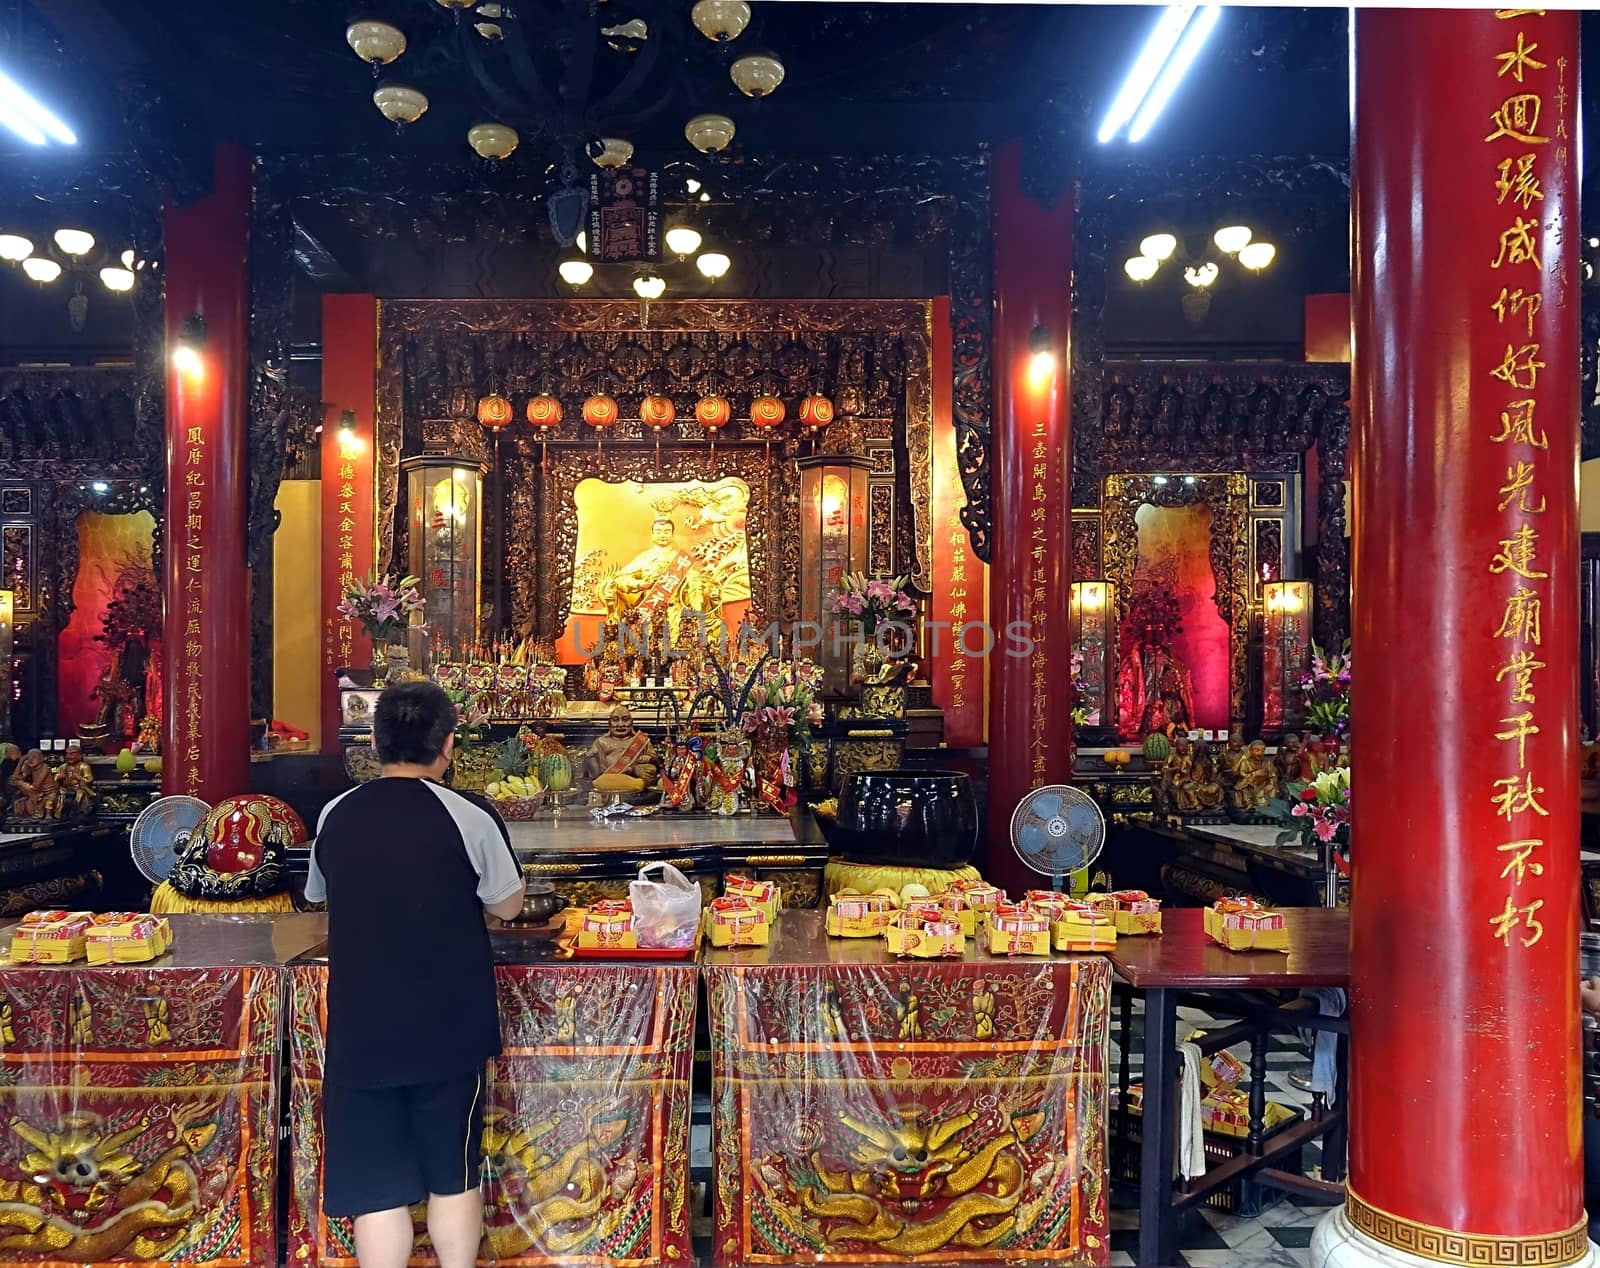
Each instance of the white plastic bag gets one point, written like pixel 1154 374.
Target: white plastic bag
pixel 666 912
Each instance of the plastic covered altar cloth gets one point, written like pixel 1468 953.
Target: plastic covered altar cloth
pixel 927 1111
pixel 586 1132
pixel 141 1111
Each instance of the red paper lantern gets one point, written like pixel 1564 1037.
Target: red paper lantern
pixel 766 412
pixel 494 412
pixel 816 411
pixel 713 412
pixel 600 412
pixel 657 412
pixel 544 412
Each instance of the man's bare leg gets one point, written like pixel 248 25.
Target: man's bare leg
pixel 383 1239
pixel 455 1226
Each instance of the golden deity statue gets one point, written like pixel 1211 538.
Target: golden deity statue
pixel 1258 780
pixel 651 584
pixel 623 759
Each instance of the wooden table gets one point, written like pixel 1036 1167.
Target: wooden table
pixel 1183 960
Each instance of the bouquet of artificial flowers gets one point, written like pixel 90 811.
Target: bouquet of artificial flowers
pixel 782 703
pixel 383 606
pixel 1317 813
pixel 1326 691
pixel 873 601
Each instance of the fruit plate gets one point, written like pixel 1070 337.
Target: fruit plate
pixel 519 809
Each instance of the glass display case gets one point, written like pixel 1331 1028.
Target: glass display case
pixel 833 542
pixel 1091 618
pixel 1285 653
pixel 445 496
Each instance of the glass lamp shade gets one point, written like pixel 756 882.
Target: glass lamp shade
pixel 709 133
pixel 14 248
pixel 600 411
pixel 492 140
pixel 445 498
pixel 766 412
pixel 713 412
pixel 375 42
pixel 1258 255
pixel 575 272
pixel 720 20
pixel 40 269
pixel 1232 239
pixel 713 265
pixel 544 412
pixel 1091 620
pixel 1141 268
pixel 117 279
pixel 400 103
pixel 611 151
pixel 657 412
pixel 833 542
pixel 757 74
pixel 649 286
pixel 1201 276
pixel 75 241
pixel 682 240
pixel 1159 246
pixel 1285 652
pixel 816 412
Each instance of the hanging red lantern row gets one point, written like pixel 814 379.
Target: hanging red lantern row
pixel 544 412
pixel 600 412
pixel 657 412
pixel 816 412
pixel 494 412
pixel 767 412
pixel 713 413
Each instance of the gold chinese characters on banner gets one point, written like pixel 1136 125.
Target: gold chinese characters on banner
pixel 194 614
pixel 1523 139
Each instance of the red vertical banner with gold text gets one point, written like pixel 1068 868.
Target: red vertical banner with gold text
pixel 1465 834
pixel 206 668
pixel 1030 560
pixel 349 395
pixel 960 578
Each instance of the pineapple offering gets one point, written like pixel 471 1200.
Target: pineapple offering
pixel 515 788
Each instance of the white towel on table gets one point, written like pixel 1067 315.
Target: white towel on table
pixel 1191 1134
pixel 1324 1043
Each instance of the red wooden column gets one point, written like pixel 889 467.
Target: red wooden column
pixel 1466 1141
pixel 207 666
pixel 1030 673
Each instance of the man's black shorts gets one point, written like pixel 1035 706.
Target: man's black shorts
pixel 389 1147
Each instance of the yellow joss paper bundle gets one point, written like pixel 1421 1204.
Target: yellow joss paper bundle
pixel 51 937
pixel 979 895
pixel 1085 929
pixel 1016 929
pixel 128 938
pixel 858 916
pixel 923 932
pixel 956 908
pixel 608 925
pixel 763 895
pixel 732 922
pixel 1136 912
pixel 1242 924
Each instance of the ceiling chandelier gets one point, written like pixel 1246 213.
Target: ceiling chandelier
pixel 74 254
pixel 1234 241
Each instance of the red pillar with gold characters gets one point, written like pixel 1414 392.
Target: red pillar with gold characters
pixel 1030 674
pixel 1466 1111
pixel 207 665
pixel 349 393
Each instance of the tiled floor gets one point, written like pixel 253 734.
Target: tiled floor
pixel 1276 1234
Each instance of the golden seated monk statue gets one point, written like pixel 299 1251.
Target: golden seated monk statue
pixel 623 760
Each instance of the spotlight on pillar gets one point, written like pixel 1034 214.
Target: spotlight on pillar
pixel 347 430
pixel 186 357
pixel 1042 362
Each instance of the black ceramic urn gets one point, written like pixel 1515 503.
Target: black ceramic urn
pixel 907 818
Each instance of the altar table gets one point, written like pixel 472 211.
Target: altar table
pixel 586 1134
pixel 1182 959
pixel 142 1100
pixel 926 1111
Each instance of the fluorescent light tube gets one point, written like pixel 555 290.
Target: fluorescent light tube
pixel 1149 63
pixel 1173 72
pixel 30 108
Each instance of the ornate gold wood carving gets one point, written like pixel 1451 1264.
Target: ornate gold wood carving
pixel 1228 496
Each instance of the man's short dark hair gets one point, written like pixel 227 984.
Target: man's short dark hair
pixel 411 723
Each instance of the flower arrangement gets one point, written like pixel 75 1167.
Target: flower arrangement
pixel 383 606
pixel 1316 813
pixel 781 703
pixel 1326 691
pixel 1080 687
pixel 872 601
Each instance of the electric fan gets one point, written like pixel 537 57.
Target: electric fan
pixel 161 833
pixel 1057 830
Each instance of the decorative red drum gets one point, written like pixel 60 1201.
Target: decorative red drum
pixel 494 412
pixel 713 412
pixel 600 412
pixel 766 412
pixel 238 849
pixel 544 412
pixel 657 412
pixel 816 411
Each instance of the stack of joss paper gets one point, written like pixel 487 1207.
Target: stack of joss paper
pixel 852 915
pixel 65 937
pixel 1016 929
pixel 1133 910
pixel 734 921
pixel 51 937
pixel 763 895
pixel 926 930
pixel 608 925
pixel 1242 924
pixel 128 937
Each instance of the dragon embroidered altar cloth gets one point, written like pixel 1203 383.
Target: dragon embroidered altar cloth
pixel 586 1133
pixel 869 1110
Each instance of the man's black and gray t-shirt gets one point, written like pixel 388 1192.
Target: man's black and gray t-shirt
pixel 406 867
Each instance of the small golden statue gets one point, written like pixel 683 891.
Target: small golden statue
pixel 1175 772
pixel 35 788
pixel 1289 761
pixel 75 796
pixel 623 759
pixel 1258 780
pixel 1201 793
